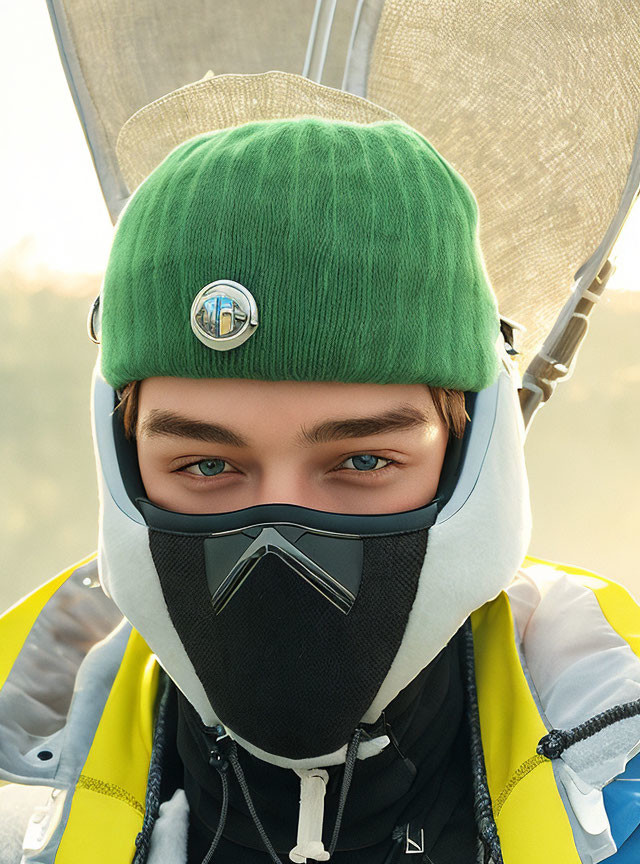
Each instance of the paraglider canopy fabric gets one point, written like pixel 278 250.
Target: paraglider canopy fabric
pixel 536 105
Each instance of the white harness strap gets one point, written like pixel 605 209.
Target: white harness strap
pixel 313 785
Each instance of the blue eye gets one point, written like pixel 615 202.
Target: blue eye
pixel 365 462
pixel 206 468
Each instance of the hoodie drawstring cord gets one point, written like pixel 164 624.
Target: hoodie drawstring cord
pixel 221 763
pixel 349 765
pixel 237 769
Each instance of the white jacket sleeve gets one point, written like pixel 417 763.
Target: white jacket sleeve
pixel 17 803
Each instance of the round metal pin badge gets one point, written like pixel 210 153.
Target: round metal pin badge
pixel 224 314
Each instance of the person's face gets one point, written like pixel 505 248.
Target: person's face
pixel 215 445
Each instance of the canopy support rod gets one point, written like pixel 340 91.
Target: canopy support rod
pixel 554 360
pixel 366 19
pixel 354 29
pixel 319 39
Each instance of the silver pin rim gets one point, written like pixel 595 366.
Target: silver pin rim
pixel 93 331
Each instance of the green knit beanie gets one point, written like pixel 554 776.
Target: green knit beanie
pixel 358 243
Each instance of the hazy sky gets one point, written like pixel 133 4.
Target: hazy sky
pixel 49 188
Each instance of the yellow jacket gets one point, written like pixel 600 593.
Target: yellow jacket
pixel 78 690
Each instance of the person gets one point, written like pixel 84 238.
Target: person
pixel 308 633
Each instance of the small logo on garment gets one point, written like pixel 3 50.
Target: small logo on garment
pixel 223 315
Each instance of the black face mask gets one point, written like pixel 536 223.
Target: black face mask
pixel 290 626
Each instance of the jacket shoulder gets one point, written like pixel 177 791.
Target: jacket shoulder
pixel 542 583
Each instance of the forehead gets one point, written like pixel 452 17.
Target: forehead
pixel 245 400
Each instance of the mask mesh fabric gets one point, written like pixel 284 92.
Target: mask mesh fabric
pixel 283 667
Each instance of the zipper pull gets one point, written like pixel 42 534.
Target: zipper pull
pixel 313 785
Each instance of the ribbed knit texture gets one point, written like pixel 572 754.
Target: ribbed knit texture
pixel 358 242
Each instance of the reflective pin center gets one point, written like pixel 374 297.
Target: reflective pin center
pixel 223 315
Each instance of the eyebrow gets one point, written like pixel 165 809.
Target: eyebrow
pixel 398 418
